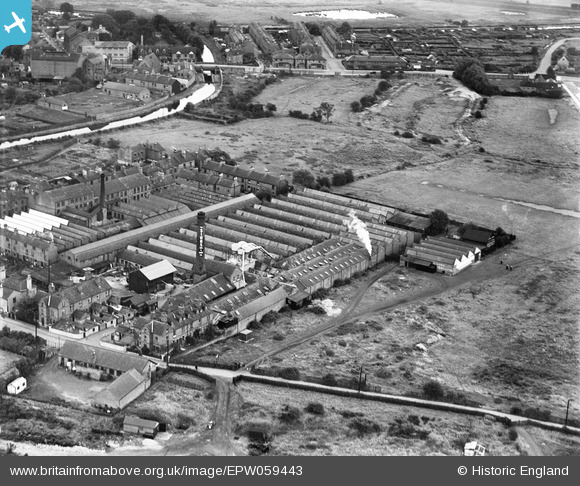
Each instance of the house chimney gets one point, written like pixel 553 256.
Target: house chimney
pixel 29 282
pixel 51 288
pixel 199 268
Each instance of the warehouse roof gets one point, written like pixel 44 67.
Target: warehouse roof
pixel 158 270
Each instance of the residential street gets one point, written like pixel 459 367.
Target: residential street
pixel 332 63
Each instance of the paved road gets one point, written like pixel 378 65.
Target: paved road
pixel 332 63
pixel 547 59
pixel 52 340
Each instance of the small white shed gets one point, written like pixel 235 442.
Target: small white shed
pixel 17 386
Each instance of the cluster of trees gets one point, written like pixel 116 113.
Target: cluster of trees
pixel 369 100
pixel 67 10
pixel 313 28
pixel 325 110
pixel 439 221
pixel 472 74
pixel 241 101
pixel 78 82
pixel 12 96
pixel 12 52
pixel 305 178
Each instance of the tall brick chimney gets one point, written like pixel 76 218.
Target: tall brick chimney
pixel 199 267
pixel 102 197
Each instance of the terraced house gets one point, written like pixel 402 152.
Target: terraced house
pixel 61 305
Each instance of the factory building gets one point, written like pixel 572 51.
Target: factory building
pixel 443 255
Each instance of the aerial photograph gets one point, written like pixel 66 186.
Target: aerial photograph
pixel 290 228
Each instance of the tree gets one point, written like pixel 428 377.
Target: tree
pixel 368 100
pixel 266 58
pixel 212 27
pixel 107 22
pixel 122 17
pixel 67 10
pixel 313 28
pixel 348 174
pixel 384 85
pixel 433 390
pixel 344 30
pixel 323 181
pixel 326 109
pixel 13 52
pixel 439 221
pixel 338 179
pixel 27 310
pixel 304 178
pixel 356 106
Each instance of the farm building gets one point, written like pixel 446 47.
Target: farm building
pixel 152 278
pixel 127 91
pixel 17 386
pixel 479 237
pixel 444 255
pixel 136 425
pixel 95 360
pixel 123 390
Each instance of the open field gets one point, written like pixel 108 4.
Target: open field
pixel 366 138
pixel 422 12
pixel 392 430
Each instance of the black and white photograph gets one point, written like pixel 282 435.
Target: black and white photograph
pixel 261 229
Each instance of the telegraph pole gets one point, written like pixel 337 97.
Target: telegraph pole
pixel 567 409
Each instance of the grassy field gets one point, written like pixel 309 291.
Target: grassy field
pixel 348 426
pixel 423 12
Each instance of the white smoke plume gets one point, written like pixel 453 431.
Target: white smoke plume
pixel 357 226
